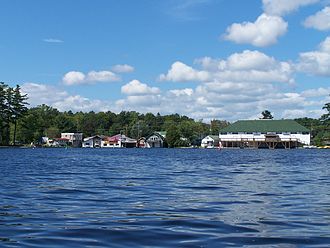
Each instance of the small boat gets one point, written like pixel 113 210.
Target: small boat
pixel 310 147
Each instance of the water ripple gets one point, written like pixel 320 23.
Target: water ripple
pixel 164 198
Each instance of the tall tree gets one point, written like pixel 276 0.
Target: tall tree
pixel 173 135
pixel 266 114
pixel 326 117
pixel 18 108
pixel 3 88
pixel 8 112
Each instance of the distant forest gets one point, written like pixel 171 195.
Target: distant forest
pixel 22 125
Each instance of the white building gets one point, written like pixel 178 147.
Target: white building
pixel 265 134
pixel 156 140
pixel 210 141
pixel 118 141
pixel 92 142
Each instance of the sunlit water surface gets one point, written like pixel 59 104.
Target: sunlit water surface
pixel 164 198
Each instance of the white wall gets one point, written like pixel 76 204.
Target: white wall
pixel 302 138
pixel 206 140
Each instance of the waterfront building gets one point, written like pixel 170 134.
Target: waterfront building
pixel 118 141
pixel 92 142
pixel 156 140
pixel 269 134
pixel 210 141
pixel 75 139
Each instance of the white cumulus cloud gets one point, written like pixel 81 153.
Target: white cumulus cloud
pixel 283 7
pixel 181 72
pixel 39 93
pixel 74 77
pixel 263 32
pixel 135 87
pixel 248 66
pixel 320 21
pixel 123 68
pixel 316 62
pixel 92 77
pixel 318 92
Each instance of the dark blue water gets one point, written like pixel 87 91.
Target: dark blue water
pixel 164 198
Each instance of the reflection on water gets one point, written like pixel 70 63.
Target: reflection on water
pixel 164 198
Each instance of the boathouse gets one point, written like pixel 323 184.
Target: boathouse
pixel 156 140
pixel 75 139
pixel 269 134
pixel 92 142
pixel 210 141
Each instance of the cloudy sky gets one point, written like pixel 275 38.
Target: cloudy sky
pixel 206 59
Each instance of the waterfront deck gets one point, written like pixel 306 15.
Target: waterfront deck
pixel 261 143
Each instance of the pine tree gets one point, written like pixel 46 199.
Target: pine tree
pixel 18 108
pixel 3 88
pixel 7 113
pixel 326 117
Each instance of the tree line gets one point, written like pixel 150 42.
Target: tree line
pixel 13 106
pixel 47 121
pixel 22 125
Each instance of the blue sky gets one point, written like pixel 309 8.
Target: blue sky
pixel 202 58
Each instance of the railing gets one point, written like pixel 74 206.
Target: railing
pixel 259 139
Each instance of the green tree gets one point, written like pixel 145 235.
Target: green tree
pixel 36 122
pixel 173 135
pixel 326 117
pixel 216 126
pixel 3 88
pixel 266 114
pixel 18 108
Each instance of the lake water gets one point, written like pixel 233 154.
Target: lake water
pixel 164 198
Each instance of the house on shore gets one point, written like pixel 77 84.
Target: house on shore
pixel 269 134
pixel 156 140
pixel 75 139
pixel 92 142
pixel 118 141
pixel 210 141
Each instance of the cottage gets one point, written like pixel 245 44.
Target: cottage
pixel 210 141
pixel 92 142
pixel 75 139
pixel 156 140
pixel 118 141
pixel 264 134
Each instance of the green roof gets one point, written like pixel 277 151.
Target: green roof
pixel 264 126
pixel 214 137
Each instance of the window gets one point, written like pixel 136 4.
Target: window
pixel 305 133
pixel 223 133
pixel 234 133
